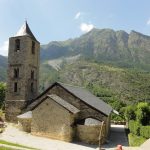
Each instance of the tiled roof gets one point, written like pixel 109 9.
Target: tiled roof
pixel 25 30
pixel 64 103
pixel 27 115
pixel 81 93
pixel 88 98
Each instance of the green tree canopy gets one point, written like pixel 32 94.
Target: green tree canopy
pixel 143 113
pixel 2 94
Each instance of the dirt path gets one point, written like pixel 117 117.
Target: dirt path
pixel 12 134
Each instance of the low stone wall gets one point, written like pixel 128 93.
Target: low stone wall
pixel 89 134
pixel 62 137
pixel 24 124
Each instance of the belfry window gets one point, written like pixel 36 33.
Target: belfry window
pixel 33 47
pixel 32 88
pixel 15 87
pixel 17 44
pixel 16 73
pixel 32 74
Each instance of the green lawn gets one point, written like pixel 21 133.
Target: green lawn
pixel 135 140
pixel 4 148
pixel 14 144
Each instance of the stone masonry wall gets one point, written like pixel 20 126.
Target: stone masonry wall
pixel 89 134
pixel 25 61
pixel 52 120
pixel 85 110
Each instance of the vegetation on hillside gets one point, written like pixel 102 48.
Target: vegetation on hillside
pixel 138 118
pixel 2 94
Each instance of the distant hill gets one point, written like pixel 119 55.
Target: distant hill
pixel 112 64
pixel 3 68
pixel 106 46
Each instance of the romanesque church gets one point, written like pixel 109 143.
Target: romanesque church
pixel 62 111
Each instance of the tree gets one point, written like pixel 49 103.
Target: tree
pixel 130 113
pixel 2 94
pixel 143 113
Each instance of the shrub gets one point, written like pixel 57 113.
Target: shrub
pixel 145 131
pixel 2 94
pixel 143 113
pixel 135 140
pixel 130 113
pixel 134 127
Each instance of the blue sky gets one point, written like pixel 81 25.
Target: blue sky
pixel 52 20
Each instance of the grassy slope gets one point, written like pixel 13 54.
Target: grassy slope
pixel 126 85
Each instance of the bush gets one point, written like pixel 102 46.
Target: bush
pixel 143 113
pixel 130 113
pixel 134 127
pixel 2 94
pixel 135 140
pixel 145 131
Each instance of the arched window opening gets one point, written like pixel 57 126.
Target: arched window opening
pixel 32 74
pixel 16 73
pixel 17 44
pixel 15 87
pixel 33 47
pixel 32 88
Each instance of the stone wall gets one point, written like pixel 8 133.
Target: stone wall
pixel 13 109
pixel 89 134
pixel 85 110
pixel 51 120
pixel 24 124
pixel 25 61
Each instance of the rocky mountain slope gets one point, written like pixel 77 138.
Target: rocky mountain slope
pixel 106 46
pixel 112 64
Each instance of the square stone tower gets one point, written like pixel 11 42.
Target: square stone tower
pixel 23 71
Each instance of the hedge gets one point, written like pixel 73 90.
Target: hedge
pixel 145 131
pixel 135 140
pixel 134 127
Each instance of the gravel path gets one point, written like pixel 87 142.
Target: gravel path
pixel 12 134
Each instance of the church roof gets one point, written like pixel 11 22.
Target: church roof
pixel 59 101
pixel 64 103
pixel 25 30
pixel 81 93
pixel 89 98
pixel 26 115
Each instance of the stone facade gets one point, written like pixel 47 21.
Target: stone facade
pixel 89 134
pixel 51 120
pixel 57 112
pixel 51 123
pixel 23 60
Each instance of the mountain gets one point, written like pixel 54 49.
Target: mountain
pixel 105 46
pixel 112 64
pixel 3 68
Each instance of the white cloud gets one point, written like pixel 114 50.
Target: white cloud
pixel 77 15
pixel 84 27
pixel 4 49
pixel 148 21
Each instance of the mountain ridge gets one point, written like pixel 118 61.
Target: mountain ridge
pixel 104 45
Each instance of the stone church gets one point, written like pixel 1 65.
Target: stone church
pixel 62 111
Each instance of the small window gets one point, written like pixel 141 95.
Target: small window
pixel 32 74
pixel 15 87
pixel 32 88
pixel 16 73
pixel 33 47
pixel 17 44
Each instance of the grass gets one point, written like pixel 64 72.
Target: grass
pixel 14 144
pixel 5 148
pixel 135 140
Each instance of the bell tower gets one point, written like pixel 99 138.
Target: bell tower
pixel 23 71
